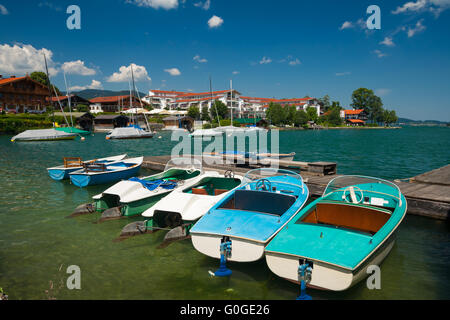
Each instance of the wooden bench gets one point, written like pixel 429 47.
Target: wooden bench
pixel 71 162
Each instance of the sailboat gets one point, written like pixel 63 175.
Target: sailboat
pixel 69 128
pixel 208 132
pixel 45 134
pixel 230 129
pixel 340 235
pixel 133 131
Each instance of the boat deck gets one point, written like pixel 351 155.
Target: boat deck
pixel 427 194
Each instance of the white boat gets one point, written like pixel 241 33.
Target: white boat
pixel 134 196
pixel 43 135
pixel 206 133
pixel 73 164
pixel 193 200
pixel 131 132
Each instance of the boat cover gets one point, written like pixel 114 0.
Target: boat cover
pixel 152 185
pixel 119 133
pixel 42 134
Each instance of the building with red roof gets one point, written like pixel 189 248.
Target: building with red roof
pixel 22 94
pixel 356 117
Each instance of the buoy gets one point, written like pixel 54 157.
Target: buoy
pixel 83 138
pixel 159 137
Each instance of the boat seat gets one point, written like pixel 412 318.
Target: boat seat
pixel 349 216
pixel 199 191
pixel 219 191
pixel 71 162
pixel 259 201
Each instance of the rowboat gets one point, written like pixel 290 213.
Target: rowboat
pixel 132 197
pixel 72 164
pixel 206 133
pixel 192 201
pixel 340 235
pixel 43 135
pixel 98 173
pixel 251 215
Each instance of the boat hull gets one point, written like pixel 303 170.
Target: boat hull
pixel 61 174
pixel 83 180
pixel 242 250
pixel 325 276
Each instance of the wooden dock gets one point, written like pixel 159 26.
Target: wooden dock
pixel 427 194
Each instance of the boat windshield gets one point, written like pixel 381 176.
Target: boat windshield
pixel 188 164
pixel 351 183
pixel 254 175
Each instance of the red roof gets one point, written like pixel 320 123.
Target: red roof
pixel 355 121
pixel 109 99
pixel 8 80
pixel 348 112
pixel 193 94
pixel 200 99
pixel 167 91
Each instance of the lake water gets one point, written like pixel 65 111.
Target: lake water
pixel 37 242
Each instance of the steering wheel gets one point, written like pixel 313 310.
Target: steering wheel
pixel 354 193
pixel 264 185
pixel 229 174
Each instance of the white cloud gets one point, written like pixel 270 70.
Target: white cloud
pixel 200 60
pixel 204 5
pixel 22 58
pixel 77 67
pixel 3 10
pixel 433 6
pixel 265 60
pixel 340 74
pixel 173 71
pixel 380 54
pixel 418 27
pixel 346 25
pixel 49 5
pixel 235 72
pixel 156 4
pixel 215 22
pixel 94 85
pixel 294 62
pixel 124 74
pixel 411 6
pixel 388 42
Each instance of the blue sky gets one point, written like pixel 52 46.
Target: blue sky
pixel 281 49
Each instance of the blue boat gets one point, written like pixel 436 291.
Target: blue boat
pixel 250 216
pixel 337 239
pixel 72 164
pixel 93 174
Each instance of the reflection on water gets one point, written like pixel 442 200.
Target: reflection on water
pixel 37 242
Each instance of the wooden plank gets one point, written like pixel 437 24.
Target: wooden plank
pixel 440 176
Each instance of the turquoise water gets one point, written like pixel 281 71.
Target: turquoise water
pixel 37 242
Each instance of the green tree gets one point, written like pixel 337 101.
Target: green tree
pixel 366 99
pixel 222 110
pixel 334 117
pixel 82 108
pixel 300 118
pixel 325 102
pixel 276 114
pixel 336 104
pixel 290 112
pixel 41 77
pixel 194 112
pixel 389 116
pixel 205 114
pixel 312 114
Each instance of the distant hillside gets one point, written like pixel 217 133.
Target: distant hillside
pixel 94 93
pixel 424 122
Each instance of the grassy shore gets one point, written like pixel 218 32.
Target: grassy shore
pixel 16 123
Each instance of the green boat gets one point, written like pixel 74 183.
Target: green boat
pixel 73 130
pixel 331 243
pixel 132 197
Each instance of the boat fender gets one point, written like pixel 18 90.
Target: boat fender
pixel 85 208
pixel 111 213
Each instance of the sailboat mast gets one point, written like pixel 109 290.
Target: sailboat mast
pixel 68 97
pixel 50 91
pixel 231 96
